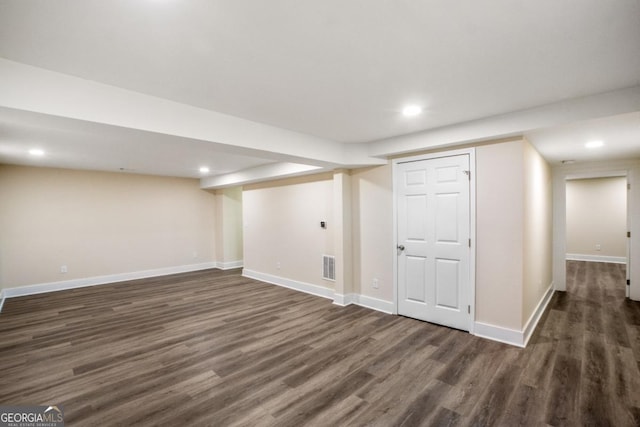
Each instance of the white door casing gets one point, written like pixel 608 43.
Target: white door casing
pixel 627 287
pixel 433 234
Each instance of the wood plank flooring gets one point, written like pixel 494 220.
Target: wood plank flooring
pixel 214 348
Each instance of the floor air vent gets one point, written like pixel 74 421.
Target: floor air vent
pixel 328 267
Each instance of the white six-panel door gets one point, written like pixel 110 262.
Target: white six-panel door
pixel 433 229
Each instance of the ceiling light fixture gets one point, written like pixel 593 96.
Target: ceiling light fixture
pixel 594 144
pixel 36 152
pixel 204 169
pixel 411 110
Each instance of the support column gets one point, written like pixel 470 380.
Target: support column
pixel 229 228
pixel 342 237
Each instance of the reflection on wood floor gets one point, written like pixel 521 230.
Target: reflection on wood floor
pixel 214 348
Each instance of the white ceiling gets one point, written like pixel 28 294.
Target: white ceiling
pixel 72 144
pixel 337 70
pixel 620 135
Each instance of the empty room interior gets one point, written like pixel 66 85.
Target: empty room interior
pixel 285 213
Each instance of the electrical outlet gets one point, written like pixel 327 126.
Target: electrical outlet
pixel 63 269
pixel 598 247
pixel 278 265
pixel 374 283
pixel 195 254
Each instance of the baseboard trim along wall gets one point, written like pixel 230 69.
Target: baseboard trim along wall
pixel 513 336
pixel 374 303
pixel 338 299
pixel 288 283
pixel 344 300
pixel 531 324
pixel 363 301
pixel 498 333
pixel 484 330
pixel 229 265
pixel 102 280
pixel 596 258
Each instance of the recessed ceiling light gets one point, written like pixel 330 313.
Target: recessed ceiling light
pixel 36 152
pixel 204 169
pixel 411 110
pixel 594 144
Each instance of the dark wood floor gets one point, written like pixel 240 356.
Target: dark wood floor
pixel 214 348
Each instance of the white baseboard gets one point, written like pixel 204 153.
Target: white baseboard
pixel 288 283
pixel 1 299
pixel 102 280
pixel 338 299
pixel 498 333
pixel 229 264
pixel 513 336
pixel 363 301
pixel 531 324
pixel 596 258
pixel 344 300
pixel 374 303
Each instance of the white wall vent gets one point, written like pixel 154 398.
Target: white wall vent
pixel 328 267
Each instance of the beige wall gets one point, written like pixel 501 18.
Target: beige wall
pixel 537 230
pixel 372 216
pixel 107 223
pixel 229 224
pixel 513 222
pixel 597 215
pixel 511 177
pixel 514 233
pixel 293 209
pixel 282 227
pixel 98 223
pixel 499 233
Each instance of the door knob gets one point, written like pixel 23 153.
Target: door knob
pixel 401 247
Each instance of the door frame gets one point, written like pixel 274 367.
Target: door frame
pixel 630 169
pixel 471 152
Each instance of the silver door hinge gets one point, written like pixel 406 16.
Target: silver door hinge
pixel 469 242
pixel 628 186
pixel 469 309
pixel 468 173
pixel 628 234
